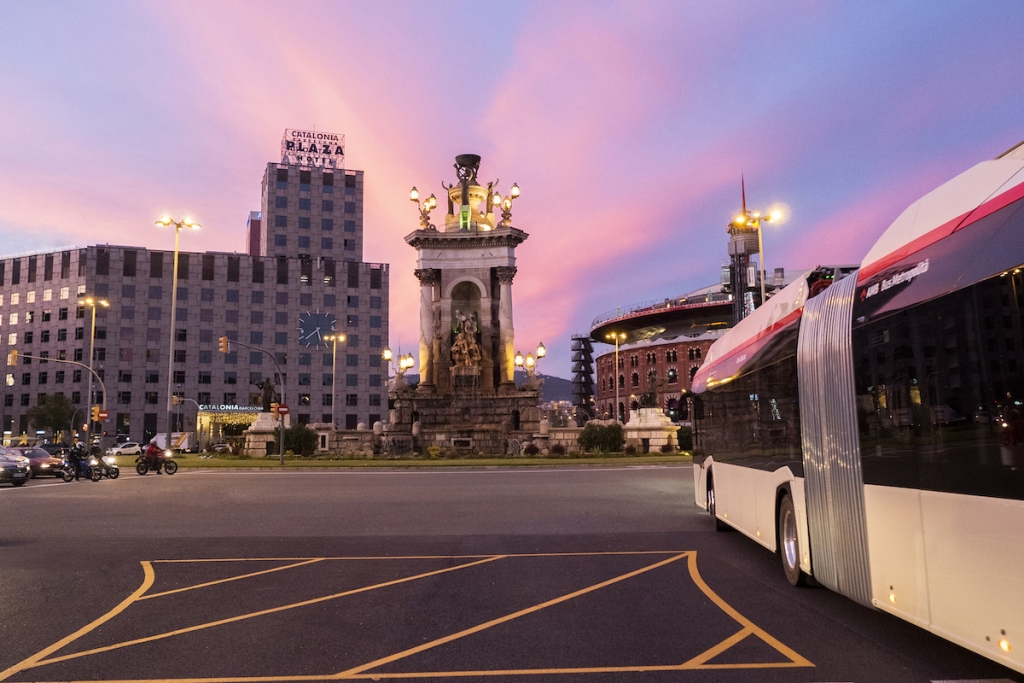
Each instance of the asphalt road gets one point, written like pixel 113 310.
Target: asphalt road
pixel 596 574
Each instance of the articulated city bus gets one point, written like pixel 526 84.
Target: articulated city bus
pixel 867 423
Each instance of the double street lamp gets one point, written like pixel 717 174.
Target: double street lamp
pixel 751 220
pixel 92 303
pixel 334 339
pixel 167 221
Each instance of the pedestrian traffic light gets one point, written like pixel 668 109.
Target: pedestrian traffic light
pixel 95 413
pixel 223 344
pixel 12 357
pixel 273 410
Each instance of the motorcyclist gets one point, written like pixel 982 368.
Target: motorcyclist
pixel 153 456
pixel 75 456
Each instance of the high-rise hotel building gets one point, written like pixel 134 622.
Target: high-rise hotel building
pixel 301 278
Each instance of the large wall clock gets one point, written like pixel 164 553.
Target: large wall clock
pixel 313 327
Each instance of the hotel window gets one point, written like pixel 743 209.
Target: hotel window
pixel 327 205
pixel 326 243
pixel 303 241
pixel 282 270
pixel 327 224
pixel 305 177
pixel 350 245
pixel 256 338
pixel 151 397
pixel 350 226
pixel 62 334
pixel 130 257
pixel 281 202
pixel 48 267
pixel 179 377
pixel 65 264
pixel 208 266
pixel 350 207
pixel 64 292
pixel 375 302
pixel 257 271
pixel 282 178
pixel 374 380
pixel 58 377
pixel 375 277
pixel 328 180
pixel 156 265
pixel 15 299
pixel 350 180
pixel 280 221
pixel 205 357
pixel 329 274
pixel 305 299
pixel 305 204
pixel 304 379
pixel 47 295
pixel 304 223
pixel 280 240
pixel 233 268
pixel 374 399
pixel 375 321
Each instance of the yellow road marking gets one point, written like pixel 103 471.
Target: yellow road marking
pixel 147 581
pixel 501 620
pixel 747 624
pixel 362 673
pixel 232 578
pixel 229 620
pixel 421 557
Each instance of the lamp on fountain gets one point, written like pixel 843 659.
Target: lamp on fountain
pixel 425 208
pixel 506 205
pixel 529 363
pixel 403 364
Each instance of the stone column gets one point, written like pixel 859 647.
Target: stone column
pixel 427 278
pixel 506 342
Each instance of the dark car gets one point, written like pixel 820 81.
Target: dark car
pixel 13 467
pixel 39 461
pixel 54 448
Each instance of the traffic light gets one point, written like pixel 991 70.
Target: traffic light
pixel 175 399
pixel 223 345
pixel 12 357
pixel 274 411
pixel 95 413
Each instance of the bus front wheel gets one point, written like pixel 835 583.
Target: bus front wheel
pixel 719 524
pixel 789 543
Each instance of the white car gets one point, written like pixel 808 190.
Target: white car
pixel 127 448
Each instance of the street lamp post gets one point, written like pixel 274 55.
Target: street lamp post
pixel 529 362
pixel 751 220
pixel 334 339
pixel 92 303
pixel 167 221
pixel 617 337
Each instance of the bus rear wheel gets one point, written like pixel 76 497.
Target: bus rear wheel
pixel 789 543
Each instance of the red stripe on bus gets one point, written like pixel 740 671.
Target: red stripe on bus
pixel 784 322
pixel 945 230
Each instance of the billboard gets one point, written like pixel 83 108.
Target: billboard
pixel 313 148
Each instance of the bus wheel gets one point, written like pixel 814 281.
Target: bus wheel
pixel 719 524
pixel 789 544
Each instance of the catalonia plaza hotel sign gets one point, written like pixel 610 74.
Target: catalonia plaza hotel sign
pixel 313 148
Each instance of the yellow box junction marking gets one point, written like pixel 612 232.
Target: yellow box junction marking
pixel 364 671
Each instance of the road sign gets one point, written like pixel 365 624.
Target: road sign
pixel 282 409
pixel 103 415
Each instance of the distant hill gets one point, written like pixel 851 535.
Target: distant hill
pixel 554 389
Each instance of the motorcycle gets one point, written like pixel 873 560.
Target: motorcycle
pixel 142 464
pixel 107 466
pixel 90 469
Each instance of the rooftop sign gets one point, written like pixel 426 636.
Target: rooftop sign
pixel 313 148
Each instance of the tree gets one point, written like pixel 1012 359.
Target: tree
pixel 53 413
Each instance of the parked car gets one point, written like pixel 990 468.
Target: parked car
pixel 40 462
pixel 127 448
pixel 54 448
pixel 220 448
pixel 13 467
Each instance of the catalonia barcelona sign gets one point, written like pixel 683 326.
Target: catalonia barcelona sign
pixel 313 148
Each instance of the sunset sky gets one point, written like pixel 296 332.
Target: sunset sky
pixel 626 124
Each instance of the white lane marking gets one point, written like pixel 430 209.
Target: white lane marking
pixel 976 680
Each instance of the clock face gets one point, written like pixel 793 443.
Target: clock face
pixel 313 327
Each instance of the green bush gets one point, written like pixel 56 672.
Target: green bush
pixel 685 437
pixel 602 438
pixel 297 439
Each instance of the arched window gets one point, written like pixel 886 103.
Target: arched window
pixel 693 371
pixel 691 354
pixel 516 422
pixel 622 412
pixel 622 381
pixel 622 362
pixel 698 354
pixel 673 375
pixel 634 361
pixel 635 380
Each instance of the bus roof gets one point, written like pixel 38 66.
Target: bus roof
pixel 970 196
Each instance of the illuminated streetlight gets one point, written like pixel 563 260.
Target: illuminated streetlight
pixel 334 339
pixel 92 303
pixel 400 366
pixel 529 363
pixel 506 205
pixel 751 220
pixel 167 221
pixel 616 337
